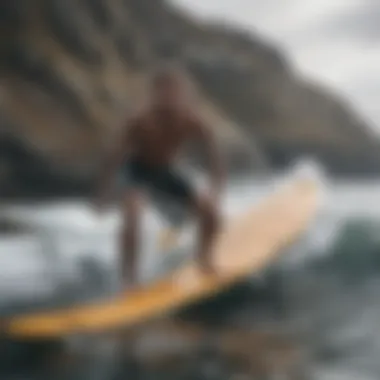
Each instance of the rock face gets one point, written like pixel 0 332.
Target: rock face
pixel 71 70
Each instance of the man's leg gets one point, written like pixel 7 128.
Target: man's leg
pixel 130 233
pixel 177 188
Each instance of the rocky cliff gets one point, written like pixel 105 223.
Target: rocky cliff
pixel 72 69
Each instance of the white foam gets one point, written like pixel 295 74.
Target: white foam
pixel 308 169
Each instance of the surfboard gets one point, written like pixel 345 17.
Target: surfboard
pixel 246 245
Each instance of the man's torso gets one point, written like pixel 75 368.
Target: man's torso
pixel 158 137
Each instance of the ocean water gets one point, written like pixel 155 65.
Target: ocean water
pixel 323 294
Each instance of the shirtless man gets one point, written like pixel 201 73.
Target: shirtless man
pixel 146 154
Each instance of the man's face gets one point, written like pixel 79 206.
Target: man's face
pixel 167 92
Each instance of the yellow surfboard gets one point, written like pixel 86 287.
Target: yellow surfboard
pixel 247 244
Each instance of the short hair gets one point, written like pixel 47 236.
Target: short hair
pixel 166 72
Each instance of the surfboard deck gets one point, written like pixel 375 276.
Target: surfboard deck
pixel 245 246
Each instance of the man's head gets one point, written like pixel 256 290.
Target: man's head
pixel 168 88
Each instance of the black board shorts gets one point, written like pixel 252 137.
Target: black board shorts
pixel 170 191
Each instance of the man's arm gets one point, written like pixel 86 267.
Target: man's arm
pixel 214 156
pixel 118 151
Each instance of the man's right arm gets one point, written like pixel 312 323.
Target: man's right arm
pixel 118 151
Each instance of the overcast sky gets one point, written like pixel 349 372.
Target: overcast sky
pixel 334 41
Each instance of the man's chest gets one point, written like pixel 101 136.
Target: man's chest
pixel 163 132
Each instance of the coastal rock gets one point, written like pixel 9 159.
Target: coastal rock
pixel 71 71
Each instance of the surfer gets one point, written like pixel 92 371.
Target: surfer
pixel 146 153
